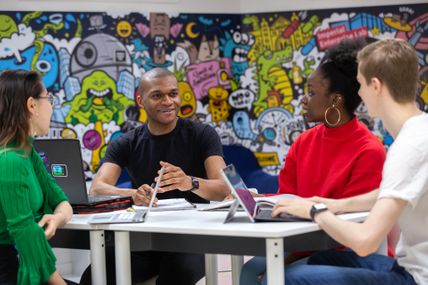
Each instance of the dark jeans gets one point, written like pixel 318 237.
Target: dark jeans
pixel 172 268
pixel 347 268
pixel 8 265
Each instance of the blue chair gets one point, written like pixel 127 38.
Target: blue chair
pixel 124 181
pixel 248 167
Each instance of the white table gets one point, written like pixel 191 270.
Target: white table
pixel 204 232
pixel 75 237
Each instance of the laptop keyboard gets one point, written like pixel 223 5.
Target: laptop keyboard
pixel 121 217
pixel 136 216
pixel 265 214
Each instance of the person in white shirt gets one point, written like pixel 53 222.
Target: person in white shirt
pixel 388 75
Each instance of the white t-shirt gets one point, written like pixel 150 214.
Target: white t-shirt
pixel 405 176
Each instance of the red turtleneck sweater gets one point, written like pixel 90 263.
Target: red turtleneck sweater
pixel 333 162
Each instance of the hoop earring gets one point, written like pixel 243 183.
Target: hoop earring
pixel 332 107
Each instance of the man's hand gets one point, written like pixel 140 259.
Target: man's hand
pixel 51 223
pixel 174 178
pixel 143 195
pixel 296 207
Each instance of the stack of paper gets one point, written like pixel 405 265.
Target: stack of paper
pixel 169 205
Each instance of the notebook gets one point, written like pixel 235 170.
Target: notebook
pixel 134 216
pixel 256 211
pixel 63 160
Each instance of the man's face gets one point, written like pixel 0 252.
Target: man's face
pixel 366 94
pixel 161 100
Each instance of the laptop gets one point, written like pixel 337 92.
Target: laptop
pixel 133 216
pixel 256 211
pixel 63 160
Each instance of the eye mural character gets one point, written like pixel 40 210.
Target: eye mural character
pixel 236 47
pixel 218 106
pixel 188 100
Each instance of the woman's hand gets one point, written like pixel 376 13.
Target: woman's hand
pixel 50 222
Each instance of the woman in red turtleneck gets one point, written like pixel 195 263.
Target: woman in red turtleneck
pixel 336 159
pixel 340 157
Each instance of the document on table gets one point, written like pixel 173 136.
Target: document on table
pixel 169 205
pixel 224 205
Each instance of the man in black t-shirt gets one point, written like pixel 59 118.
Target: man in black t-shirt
pixel 192 156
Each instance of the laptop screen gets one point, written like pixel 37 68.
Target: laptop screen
pixel 239 188
pixel 63 160
pixel 152 200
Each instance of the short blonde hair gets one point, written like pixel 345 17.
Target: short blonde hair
pixel 394 62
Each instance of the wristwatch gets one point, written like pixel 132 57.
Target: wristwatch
pixel 316 209
pixel 195 183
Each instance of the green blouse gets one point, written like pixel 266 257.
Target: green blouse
pixel 27 192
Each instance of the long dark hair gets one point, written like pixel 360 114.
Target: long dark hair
pixel 16 86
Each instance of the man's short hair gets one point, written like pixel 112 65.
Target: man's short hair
pixel 394 62
pixel 154 73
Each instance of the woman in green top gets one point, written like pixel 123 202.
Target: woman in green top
pixel 32 205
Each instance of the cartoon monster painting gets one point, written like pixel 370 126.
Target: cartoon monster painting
pixel 209 49
pixel 188 100
pixel 236 48
pixel 218 106
pixel 159 32
pixel 98 101
pixel 8 26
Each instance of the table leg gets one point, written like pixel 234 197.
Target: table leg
pixel 123 258
pixel 275 261
pixel 211 269
pixel 98 257
pixel 237 262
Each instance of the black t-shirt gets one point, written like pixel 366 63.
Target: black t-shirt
pixel 187 146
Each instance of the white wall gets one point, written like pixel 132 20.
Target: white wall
pixel 251 6
pixel 190 6
pixel 142 6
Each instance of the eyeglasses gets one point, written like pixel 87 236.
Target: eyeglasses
pixel 50 97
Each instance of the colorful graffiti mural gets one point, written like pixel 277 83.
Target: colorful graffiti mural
pixel 243 74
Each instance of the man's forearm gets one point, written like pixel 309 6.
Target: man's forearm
pixel 359 203
pixel 102 188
